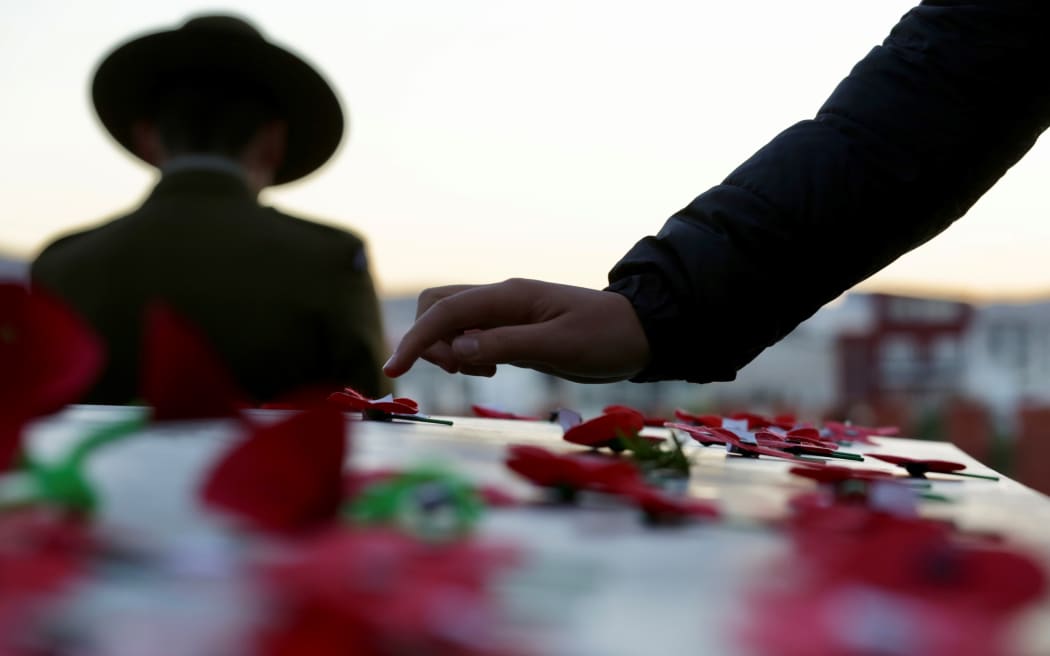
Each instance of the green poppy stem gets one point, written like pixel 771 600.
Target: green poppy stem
pixel 420 418
pixel 106 435
pixel 969 475
pixel 846 456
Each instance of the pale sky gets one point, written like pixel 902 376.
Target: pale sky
pixel 498 138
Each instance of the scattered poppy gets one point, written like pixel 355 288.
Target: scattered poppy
pixel 354 401
pixel 385 409
pixel 183 378
pixel 656 422
pixel 705 435
pixel 756 421
pixel 803 446
pixel 808 434
pixel 607 430
pixel 875 489
pixel 714 421
pixel 285 477
pixel 734 443
pixel 919 468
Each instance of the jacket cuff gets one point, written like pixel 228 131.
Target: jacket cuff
pixel 679 345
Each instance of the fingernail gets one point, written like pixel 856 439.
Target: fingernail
pixel 466 346
pixel 389 361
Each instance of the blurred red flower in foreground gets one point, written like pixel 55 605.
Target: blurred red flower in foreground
pixel 865 582
pixel 182 377
pixel 376 592
pixel 286 477
pixel 661 508
pixel 41 553
pixel 833 474
pixel 48 357
pixel 569 474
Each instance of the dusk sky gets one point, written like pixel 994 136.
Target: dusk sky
pixel 498 138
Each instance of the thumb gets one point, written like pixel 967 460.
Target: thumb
pixel 531 343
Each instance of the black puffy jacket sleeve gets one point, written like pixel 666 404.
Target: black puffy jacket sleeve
pixel 918 131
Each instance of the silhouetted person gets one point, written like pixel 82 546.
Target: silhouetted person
pixel 222 113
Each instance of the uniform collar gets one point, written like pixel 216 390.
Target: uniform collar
pixel 201 181
pixel 202 162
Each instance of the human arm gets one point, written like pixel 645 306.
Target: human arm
pixel 921 128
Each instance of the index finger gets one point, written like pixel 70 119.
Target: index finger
pixel 483 306
pixel 432 295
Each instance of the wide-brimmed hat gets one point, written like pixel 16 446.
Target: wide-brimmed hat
pixel 223 47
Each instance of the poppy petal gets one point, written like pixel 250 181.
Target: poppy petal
pixel 285 477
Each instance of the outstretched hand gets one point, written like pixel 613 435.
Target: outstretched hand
pixel 572 332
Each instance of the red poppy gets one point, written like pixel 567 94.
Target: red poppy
pixel 756 421
pixel 919 468
pixel 352 400
pixel 847 432
pixel 607 430
pixel 705 435
pixel 285 477
pixel 183 378
pixel 48 356
pixel 571 473
pixel 871 488
pixel 808 434
pixel 656 422
pixel 924 590
pixel 802 446
pixel 378 592
pixel 735 444
pixel 848 620
pixel 492 413
pixel 714 421
pixel 745 420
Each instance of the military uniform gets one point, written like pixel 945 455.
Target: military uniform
pixel 286 302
